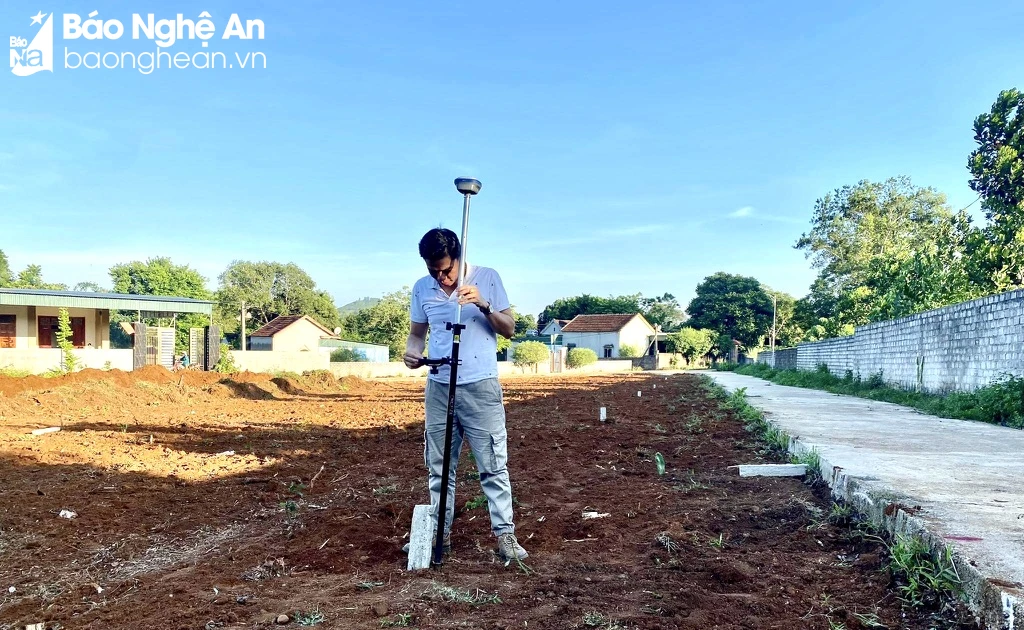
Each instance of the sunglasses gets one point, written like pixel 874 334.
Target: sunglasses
pixel 441 273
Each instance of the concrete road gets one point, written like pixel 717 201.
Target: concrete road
pixel 966 478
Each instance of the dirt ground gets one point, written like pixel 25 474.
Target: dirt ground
pixel 208 503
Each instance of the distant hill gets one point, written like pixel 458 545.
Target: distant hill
pixel 358 305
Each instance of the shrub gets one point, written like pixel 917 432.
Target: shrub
pixel 578 357
pixel 529 353
pixel 346 355
pixel 68 362
pixel 627 351
pixel 226 363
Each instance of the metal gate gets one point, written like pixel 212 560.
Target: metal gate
pixel 557 359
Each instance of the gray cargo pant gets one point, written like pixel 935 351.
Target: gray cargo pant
pixel 480 420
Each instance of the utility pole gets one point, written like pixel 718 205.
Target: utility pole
pixel 242 317
pixel 774 321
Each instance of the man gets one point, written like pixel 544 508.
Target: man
pixel 479 405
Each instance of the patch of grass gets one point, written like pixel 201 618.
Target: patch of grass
pixel 810 458
pixel 14 372
pixel 594 619
pixel 1001 402
pixel 920 575
pixel 447 593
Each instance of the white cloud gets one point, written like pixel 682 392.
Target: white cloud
pixel 745 211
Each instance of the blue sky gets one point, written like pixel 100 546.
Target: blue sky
pixel 622 147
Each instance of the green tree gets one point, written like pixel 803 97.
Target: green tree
pixel 663 311
pixel 692 343
pixel 6 277
pixel 386 322
pixel 734 305
pixel 579 357
pixel 90 286
pixel 863 240
pixel 529 354
pixel 159 276
pixel 997 175
pixel 567 308
pixel 346 355
pixel 788 330
pixel 524 323
pixel 269 289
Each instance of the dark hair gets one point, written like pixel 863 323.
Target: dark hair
pixel 438 243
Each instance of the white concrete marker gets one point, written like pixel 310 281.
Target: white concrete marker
pixel 772 470
pixel 604 414
pixel 420 535
pixel 46 430
pixel 638 394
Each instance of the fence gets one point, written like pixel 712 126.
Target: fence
pixel 955 348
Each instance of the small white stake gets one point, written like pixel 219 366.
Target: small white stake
pixel 604 414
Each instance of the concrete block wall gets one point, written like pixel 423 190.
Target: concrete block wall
pixel 784 359
pixel 955 348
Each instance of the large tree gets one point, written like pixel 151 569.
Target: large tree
pixel 567 308
pixel 997 175
pixel 865 239
pixel 160 276
pixel 386 322
pixel 269 289
pixel 788 331
pixel 734 305
pixel 663 311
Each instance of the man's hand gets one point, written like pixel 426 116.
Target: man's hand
pixel 412 360
pixel 470 294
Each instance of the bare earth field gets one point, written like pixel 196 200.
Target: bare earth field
pixel 208 502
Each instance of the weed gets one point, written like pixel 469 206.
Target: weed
pixel 311 618
pixel 810 458
pixel 919 574
pixel 667 542
pixel 385 490
pixel 401 620
pixel 296 488
pixel 476 502
pixel 659 429
pixel 718 543
pixel 869 620
pixel 366 586
pixel 840 514
pixel 290 507
pixel 695 425
pixel 594 619
pixel 458 595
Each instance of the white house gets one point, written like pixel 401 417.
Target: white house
pixel 290 333
pixel 605 334
pixel 554 327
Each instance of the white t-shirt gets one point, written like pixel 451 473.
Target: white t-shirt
pixel 478 346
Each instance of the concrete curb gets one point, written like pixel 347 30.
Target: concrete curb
pixel 994 606
pixel 888 509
